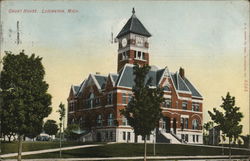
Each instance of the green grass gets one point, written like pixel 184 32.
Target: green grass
pixel 31 146
pixel 127 150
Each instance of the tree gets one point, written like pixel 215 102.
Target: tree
pixel 62 112
pixel 25 107
pixel 35 132
pixel 143 111
pixel 229 121
pixel 207 126
pixel 50 127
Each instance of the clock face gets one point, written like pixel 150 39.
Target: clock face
pixel 124 42
pixel 139 41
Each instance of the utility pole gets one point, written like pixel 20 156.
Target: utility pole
pixel 154 139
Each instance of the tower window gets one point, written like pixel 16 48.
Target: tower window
pixel 127 54
pixel 139 54
pixel 143 56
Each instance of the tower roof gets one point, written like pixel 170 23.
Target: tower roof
pixel 135 26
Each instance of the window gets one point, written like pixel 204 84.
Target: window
pixel 195 124
pixel 124 98
pixel 186 123
pixel 167 103
pixel 97 101
pixel 195 107
pixel 124 121
pixel 182 137
pixel 71 106
pixel 124 135
pixel 110 119
pixel 128 135
pixel 197 138
pixel 193 138
pixel 127 53
pixel 99 120
pixel 184 105
pixel 186 137
pixel 109 99
pixel 90 101
pixel 143 56
pixel 139 55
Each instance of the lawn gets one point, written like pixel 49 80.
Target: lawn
pixel 36 145
pixel 127 150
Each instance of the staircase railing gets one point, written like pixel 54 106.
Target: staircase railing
pixel 173 134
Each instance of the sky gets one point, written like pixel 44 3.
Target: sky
pixel 209 39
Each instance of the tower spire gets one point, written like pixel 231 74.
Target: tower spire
pixel 133 11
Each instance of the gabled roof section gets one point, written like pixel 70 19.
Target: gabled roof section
pixel 101 80
pixel 126 76
pixel 75 89
pixel 81 88
pixel 192 88
pixel 159 75
pixel 114 78
pixel 135 26
pixel 181 84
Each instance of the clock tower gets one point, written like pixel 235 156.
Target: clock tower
pixel 133 43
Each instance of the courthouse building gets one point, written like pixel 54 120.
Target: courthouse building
pixel 95 104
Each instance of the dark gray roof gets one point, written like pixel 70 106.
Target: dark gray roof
pixel 191 87
pixel 181 84
pixel 174 78
pixel 114 77
pixel 159 74
pixel 126 78
pixel 101 80
pixel 135 26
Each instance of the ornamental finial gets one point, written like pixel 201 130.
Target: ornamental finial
pixel 133 11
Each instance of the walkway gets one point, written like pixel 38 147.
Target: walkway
pixel 49 150
pixel 117 158
pixel 186 158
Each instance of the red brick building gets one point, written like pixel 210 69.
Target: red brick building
pixel 96 103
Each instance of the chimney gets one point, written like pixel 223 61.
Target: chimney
pixel 182 72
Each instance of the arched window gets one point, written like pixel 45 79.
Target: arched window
pixel 91 100
pixel 110 119
pixel 99 120
pixel 195 124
